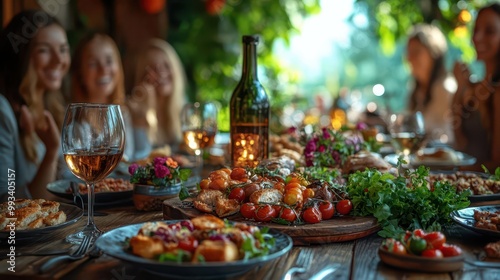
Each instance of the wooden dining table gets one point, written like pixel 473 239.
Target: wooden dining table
pixel 358 258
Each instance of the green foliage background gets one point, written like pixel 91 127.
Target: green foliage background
pixel 210 46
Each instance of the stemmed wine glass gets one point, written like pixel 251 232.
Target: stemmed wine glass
pixel 199 127
pixel 407 132
pixel 93 138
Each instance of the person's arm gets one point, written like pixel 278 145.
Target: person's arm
pixel 461 73
pixel 8 131
pixel 47 169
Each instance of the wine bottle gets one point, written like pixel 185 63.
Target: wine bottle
pixel 249 112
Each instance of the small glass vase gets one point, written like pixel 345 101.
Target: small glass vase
pixel 151 197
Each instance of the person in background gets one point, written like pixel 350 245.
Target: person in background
pixel 433 87
pixel 159 93
pixel 97 77
pixel 34 58
pixel 476 106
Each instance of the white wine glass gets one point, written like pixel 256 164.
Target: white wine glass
pixel 199 127
pixel 93 138
pixel 407 132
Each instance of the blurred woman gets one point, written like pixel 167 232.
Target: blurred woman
pixel 476 106
pixel 97 77
pixel 433 88
pixel 34 58
pixel 159 93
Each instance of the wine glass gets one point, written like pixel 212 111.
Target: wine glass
pixel 199 127
pixel 407 132
pixel 93 138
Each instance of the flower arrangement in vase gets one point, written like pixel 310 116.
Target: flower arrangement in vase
pixel 155 181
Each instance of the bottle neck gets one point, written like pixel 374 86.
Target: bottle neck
pixel 249 70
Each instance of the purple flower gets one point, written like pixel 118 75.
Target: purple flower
pixel 132 168
pixel 161 171
pixel 321 148
pixel 326 134
pixel 361 126
pixel 159 161
pixel 310 147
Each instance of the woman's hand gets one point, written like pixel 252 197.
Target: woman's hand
pixel 49 133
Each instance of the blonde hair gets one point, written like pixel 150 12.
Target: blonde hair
pixel 79 93
pixel 170 126
pixel 18 82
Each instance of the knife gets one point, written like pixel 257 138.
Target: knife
pixel 325 271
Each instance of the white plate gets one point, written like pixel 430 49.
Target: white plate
pixel 114 243
pixel 462 160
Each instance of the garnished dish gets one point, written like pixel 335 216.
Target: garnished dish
pixel 106 185
pixel 109 191
pixel 31 216
pixel 201 239
pixel 478 183
pixel 483 219
pixel 171 249
pixel 422 251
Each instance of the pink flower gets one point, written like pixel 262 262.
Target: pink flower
pixel 132 168
pixel 321 148
pixel 159 161
pixel 161 171
pixel 361 126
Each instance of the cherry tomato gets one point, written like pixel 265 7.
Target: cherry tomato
pixel 432 253
pixel 277 208
pixel 288 214
pixel 251 188
pixel 419 233
pixel 308 193
pixel 344 207
pixel 311 215
pixel 417 245
pixel 204 184
pixel 435 239
pixel 188 244
pixel 449 250
pixel 239 174
pixel 327 209
pixel 292 185
pixel 238 194
pixel 265 213
pixel 280 186
pixel 247 210
pixel 394 246
pixel 293 199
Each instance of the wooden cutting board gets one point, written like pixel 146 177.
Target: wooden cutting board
pixel 337 229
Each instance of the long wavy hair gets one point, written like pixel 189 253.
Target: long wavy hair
pixel 170 126
pixel 18 79
pixel 79 92
pixel 434 41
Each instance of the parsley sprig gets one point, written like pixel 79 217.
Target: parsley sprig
pixel 404 203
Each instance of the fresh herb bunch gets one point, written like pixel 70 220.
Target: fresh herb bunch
pixel 330 148
pixel 162 172
pixel 495 176
pixel 401 203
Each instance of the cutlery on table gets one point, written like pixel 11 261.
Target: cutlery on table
pixel 325 271
pixel 301 264
pixel 77 255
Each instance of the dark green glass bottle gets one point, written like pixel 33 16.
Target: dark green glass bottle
pixel 249 112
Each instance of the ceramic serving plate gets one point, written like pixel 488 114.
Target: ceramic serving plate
pixel 72 212
pixel 465 218
pixel 423 264
pixel 114 243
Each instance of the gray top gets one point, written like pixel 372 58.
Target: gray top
pixel 12 155
pixel 478 143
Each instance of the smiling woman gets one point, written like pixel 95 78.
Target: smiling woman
pixel 34 57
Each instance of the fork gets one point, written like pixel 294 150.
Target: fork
pixel 301 264
pixel 77 255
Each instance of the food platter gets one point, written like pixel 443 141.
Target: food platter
pixel 337 229
pixel 72 212
pixel 465 218
pixel 60 188
pixel 474 198
pixel 113 242
pixel 423 264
